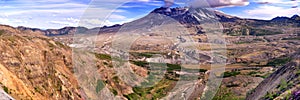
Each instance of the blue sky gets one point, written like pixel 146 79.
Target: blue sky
pixel 54 14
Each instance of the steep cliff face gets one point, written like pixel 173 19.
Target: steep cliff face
pixel 284 79
pixel 35 67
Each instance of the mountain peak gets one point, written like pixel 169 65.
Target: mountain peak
pixel 295 17
pixel 183 12
pixel 170 11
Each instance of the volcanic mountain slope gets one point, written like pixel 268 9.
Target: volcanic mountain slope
pixel 43 68
pixel 35 67
pixel 248 40
pixel 246 30
pixel 192 18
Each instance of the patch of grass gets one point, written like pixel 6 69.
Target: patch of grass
pixel 242 42
pixel 230 74
pixel 172 67
pixel 298 72
pixel 146 54
pixel 115 92
pixel 283 85
pixel 132 96
pixel 264 76
pixel 102 56
pixel 140 63
pixel 2 32
pixel 157 91
pixel 100 86
pixel 288 96
pixel 270 96
pixel 6 89
pixel 226 94
pixel 252 73
pixel 263 32
pixel 279 61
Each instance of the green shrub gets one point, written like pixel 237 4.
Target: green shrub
pixel 146 54
pixel 132 96
pixel 140 63
pixel 2 32
pixel 298 72
pixel 5 89
pixel 116 79
pixel 172 67
pixel 252 73
pixel 100 86
pixel 157 91
pixel 279 61
pixel 226 94
pixel 263 32
pixel 270 96
pixel 229 74
pixel 283 85
pixel 115 92
pixel 102 56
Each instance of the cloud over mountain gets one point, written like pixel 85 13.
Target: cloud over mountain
pixel 217 3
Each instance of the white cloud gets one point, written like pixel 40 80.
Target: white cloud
pixel 275 1
pixel 290 3
pixel 61 23
pixel 58 13
pixel 143 0
pixel 218 3
pixel 268 12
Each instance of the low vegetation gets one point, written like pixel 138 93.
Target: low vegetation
pixel 230 74
pixel 226 94
pixel 100 86
pixel 102 56
pixel 2 32
pixel 279 61
pixel 157 91
pixel 263 32
pixel 6 89
pixel 270 96
pixel 296 38
pixel 171 67
pixel 146 54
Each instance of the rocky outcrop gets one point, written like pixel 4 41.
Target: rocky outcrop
pixel 35 67
pixel 286 73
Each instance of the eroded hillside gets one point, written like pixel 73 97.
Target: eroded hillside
pixel 35 67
